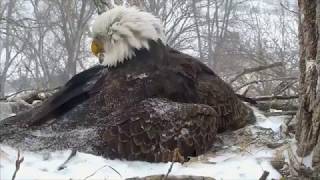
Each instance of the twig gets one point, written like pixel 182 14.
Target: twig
pixel 102 5
pixel 100 169
pixel 264 175
pixel 287 8
pixel 176 157
pixel 169 170
pixel 18 163
pixel 63 165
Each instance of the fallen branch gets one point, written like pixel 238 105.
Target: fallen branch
pixel 16 93
pixel 18 163
pixel 246 99
pixel 264 80
pixel 267 105
pixel 30 95
pixel 284 113
pixel 255 69
pixel 270 98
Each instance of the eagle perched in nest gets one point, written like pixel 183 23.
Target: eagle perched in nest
pixel 146 101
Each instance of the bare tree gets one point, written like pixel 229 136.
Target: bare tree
pixel 308 127
pixel 73 17
pixel 9 41
pixel 261 46
pixel 197 27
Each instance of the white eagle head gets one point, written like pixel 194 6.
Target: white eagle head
pixel 120 31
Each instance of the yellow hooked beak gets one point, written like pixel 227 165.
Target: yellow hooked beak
pixel 97 47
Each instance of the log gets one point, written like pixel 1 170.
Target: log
pixel 270 98
pixel 266 106
pixel 284 113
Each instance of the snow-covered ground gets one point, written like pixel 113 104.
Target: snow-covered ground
pixel 229 161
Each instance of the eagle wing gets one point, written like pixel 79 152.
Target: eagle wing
pixel 159 130
pixel 73 93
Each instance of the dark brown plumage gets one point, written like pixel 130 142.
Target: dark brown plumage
pixel 161 105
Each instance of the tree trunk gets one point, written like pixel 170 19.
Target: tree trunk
pixel 196 21
pixel 7 41
pixel 308 115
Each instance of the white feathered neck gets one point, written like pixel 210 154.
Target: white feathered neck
pixel 123 30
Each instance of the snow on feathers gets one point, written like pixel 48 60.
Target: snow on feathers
pixel 124 29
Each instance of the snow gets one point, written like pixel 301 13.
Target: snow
pixel 45 166
pixel 273 122
pixel 230 162
pixel 306 161
pixel 5 110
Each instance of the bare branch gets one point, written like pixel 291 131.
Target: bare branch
pixel 265 80
pixel 255 69
pixel 18 163
pixel 287 8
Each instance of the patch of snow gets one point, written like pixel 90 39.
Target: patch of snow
pixel 142 76
pixel 45 166
pixel 244 166
pixel 275 110
pixel 307 160
pixel 5 110
pixel 273 122
pixel 162 108
pixel 139 76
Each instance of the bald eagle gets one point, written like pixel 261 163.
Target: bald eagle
pixel 146 101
